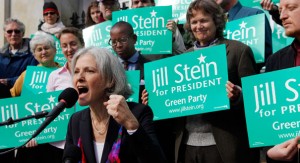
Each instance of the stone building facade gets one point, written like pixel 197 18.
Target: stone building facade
pixel 72 13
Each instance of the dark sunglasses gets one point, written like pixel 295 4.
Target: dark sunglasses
pixel 15 30
pixel 47 13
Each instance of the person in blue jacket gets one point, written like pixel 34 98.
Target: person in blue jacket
pixel 15 55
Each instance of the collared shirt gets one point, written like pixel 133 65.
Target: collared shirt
pixel 132 61
pixel 198 46
pixel 59 79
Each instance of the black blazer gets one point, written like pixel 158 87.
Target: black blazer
pixel 140 64
pixel 140 147
pixel 282 59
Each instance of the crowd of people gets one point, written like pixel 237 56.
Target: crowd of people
pixel 111 129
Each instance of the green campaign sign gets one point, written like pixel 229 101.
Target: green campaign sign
pixel 250 31
pixel 36 79
pixel 149 24
pixel 19 107
pixel 272 106
pixel 59 57
pixel 188 84
pixel 279 38
pixel 179 8
pixel 97 35
pixel 254 3
pixel 289 41
pixel 278 34
pixel 133 78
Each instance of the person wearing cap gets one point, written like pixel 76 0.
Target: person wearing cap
pixel 107 7
pixel 52 23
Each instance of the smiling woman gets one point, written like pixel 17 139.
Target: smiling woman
pixel 44 50
pixel 208 136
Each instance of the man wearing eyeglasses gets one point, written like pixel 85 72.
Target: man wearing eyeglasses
pixel 122 40
pixel 15 55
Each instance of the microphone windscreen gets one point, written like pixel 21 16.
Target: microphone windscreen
pixel 70 96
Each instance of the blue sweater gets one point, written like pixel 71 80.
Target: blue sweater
pixel 11 66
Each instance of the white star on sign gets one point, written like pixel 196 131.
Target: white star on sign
pixel 51 99
pixel 153 13
pixel 243 25
pixel 201 59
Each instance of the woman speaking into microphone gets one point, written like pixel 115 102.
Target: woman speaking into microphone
pixel 110 129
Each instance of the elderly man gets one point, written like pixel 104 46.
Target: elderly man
pixel 286 58
pixel 15 56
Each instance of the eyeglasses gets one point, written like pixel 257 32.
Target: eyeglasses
pixel 47 13
pixel 15 30
pixel 122 40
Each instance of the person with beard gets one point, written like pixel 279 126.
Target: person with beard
pixel 287 57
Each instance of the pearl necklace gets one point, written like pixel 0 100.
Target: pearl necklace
pixel 103 131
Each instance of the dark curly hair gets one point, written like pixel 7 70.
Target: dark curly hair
pixel 209 7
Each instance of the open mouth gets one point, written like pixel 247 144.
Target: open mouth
pixel 82 90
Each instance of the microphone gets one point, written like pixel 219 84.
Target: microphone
pixel 66 99
pixel 37 115
pixel 72 154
